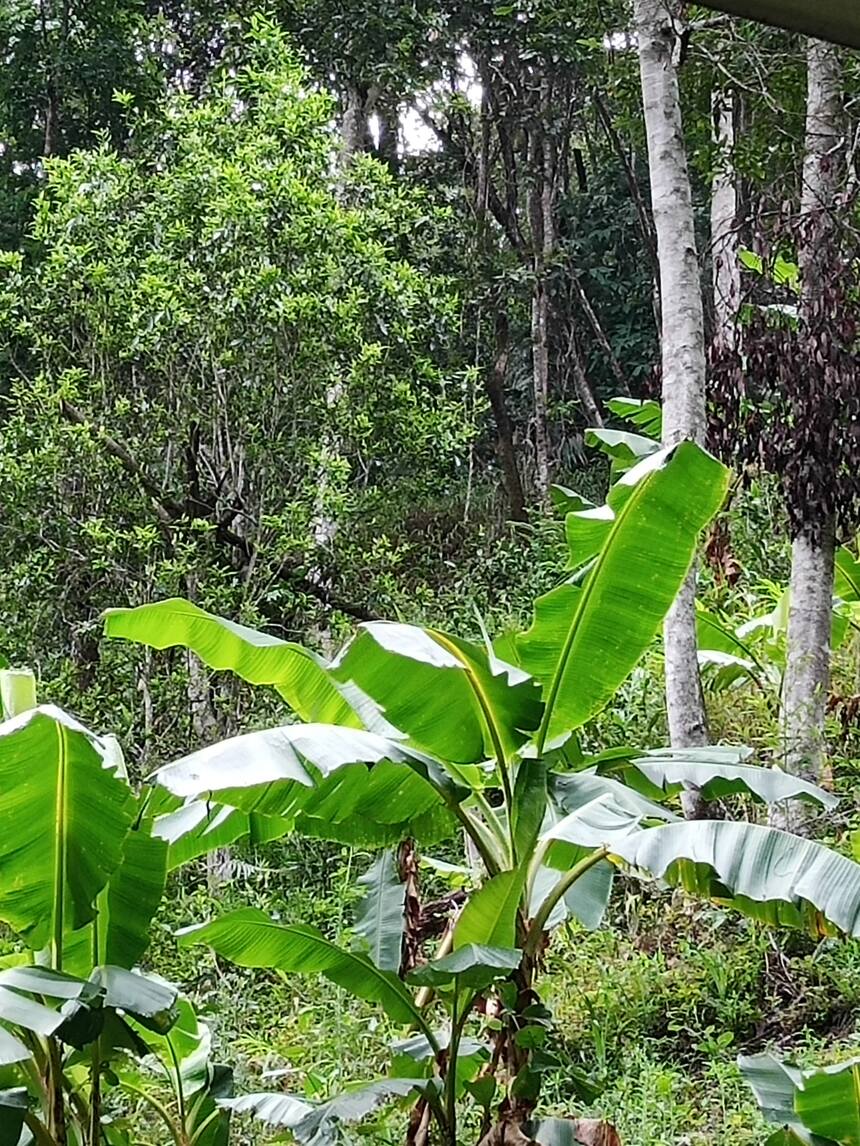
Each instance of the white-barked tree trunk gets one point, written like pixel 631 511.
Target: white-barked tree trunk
pixel 683 336
pixel 807 670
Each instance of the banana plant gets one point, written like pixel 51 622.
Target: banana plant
pixel 81 876
pixel 414 733
pixel 753 652
pixel 625 448
pixel 813 1107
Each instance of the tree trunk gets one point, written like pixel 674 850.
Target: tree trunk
pixel 600 335
pixel 494 381
pixel 807 668
pixel 590 406
pixel 354 126
pixel 387 140
pixel 682 342
pixel 725 267
pixel 542 244
pixel 540 370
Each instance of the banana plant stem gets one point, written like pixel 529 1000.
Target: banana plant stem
pixel 538 924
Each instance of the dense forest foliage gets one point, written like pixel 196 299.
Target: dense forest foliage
pixel 430 604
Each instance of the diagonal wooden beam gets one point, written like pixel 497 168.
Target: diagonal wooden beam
pixel 835 20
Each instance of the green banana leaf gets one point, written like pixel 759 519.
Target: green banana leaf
pixel 185 1050
pixel 836 20
pixel 774 1084
pixel 573 790
pixel 624 448
pixel 645 414
pixel 847 575
pixel 586 900
pixel 14 1105
pixel 765 873
pixel 148 999
pixel 66 813
pixel 529 805
pixel 17 691
pixel 285 1111
pixel 133 896
pixel 474 966
pixel 587 638
pixel 828 1103
pixel 490 917
pixel 712 632
pixel 125 908
pixel 452 698
pixel 23 1013
pixel 12 1049
pixel 731 656
pixel 717 772
pixel 298 674
pixel 795 1135
pixel 585 531
pixel 103 1003
pixel 183 1055
pixel 319 1124
pixel 337 783
pixel 250 938
pixel 817 1107
pixel 567 501
pixel 193 828
pixel 600 823
pixel 379 919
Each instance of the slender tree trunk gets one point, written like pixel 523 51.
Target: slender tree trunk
pixel 600 334
pixel 590 406
pixel 807 670
pixel 55 26
pixel 386 147
pixel 495 379
pixel 725 285
pixel 540 371
pixel 540 213
pixel 725 267
pixel 683 338
pixel 495 387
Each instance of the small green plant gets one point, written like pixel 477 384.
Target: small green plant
pixel 754 651
pixel 81 875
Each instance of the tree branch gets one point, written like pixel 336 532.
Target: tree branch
pixel 169 509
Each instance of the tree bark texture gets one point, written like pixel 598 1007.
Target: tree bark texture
pixel 495 379
pixel 807 670
pixel 683 338
pixel 725 267
pixel 542 228
pixel 354 125
pixel 587 400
